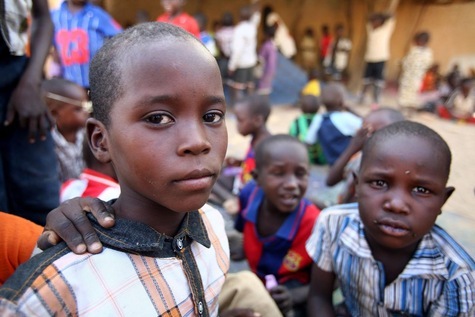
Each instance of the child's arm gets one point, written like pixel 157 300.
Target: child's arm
pixel 336 172
pixel 321 293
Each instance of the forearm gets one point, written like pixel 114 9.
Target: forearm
pixel 317 306
pixel 41 36
pixel 393 6
pixel 336 172
pixel 300 294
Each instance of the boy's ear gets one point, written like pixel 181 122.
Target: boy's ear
pixel 448 192
pixel 98 140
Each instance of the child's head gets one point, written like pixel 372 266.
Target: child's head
pixel 202 20
pixel 376 19
pixel 173 6
pixel 401 186
pixel 333 97
pixel 78 3
pixel 227 19
pixel 158 116
pixel 309 104
pixel 466 85
pixel 282 169
pixel 382 117
pixel 269 32
pixel 245 13
pixel 421 38
pixel 67 102
pixel 339 30
pixel 309 32
pixel 325 30
pixel 252 113
pixel 313 74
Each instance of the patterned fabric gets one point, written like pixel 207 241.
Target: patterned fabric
pixel 183 20
pixel 439 280
pixel 267 56
pixel 247 166
pixel 70 158
pixel 90 184
pixel 414 67
pixel 140 273
pixel 282 254
pixel 78 37
pixel 14 25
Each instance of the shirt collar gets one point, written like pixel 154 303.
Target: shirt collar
pixel 138 238
pixel 427 261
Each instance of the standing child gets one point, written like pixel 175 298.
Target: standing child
pixel 68 103
pixel 80 29
pixel 414 66
pixel 167 253
pixel 336 61
pixel 276 220
pixel 308 50
pixel 268 59
pixel 309 105
pixel 175 15
pixel 387 254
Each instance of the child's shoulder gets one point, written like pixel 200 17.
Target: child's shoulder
pixel 451 250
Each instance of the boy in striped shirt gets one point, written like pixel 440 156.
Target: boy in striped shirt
pixel 387 254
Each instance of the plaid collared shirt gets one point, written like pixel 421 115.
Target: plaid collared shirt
pixel 139 273
pixel 439 280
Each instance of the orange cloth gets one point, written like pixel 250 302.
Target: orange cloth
pixel 18 238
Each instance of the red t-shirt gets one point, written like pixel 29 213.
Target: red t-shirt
pixel 182 20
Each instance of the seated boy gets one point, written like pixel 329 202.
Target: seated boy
pixel 276 220
pixel 334 129
pixel 68 103
pixel 386 253
pixel 349 161
pixel 251 113
pixel 166 254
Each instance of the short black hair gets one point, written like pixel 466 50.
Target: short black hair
pixel 105 73
pixel 311 102
pixel 422 37
pixel 258 105
pixel 271 142
pixel 411 129
pixel 393 115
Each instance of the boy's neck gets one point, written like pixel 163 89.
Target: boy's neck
pixel 259 135
pixel 145 211
pixel 68 135
pixel 174 14
pixel 75 7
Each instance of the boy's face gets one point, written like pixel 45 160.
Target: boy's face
pixel 284 177
pixel 401 190
pixel 167 136
pixel 70 116
pixel 246 122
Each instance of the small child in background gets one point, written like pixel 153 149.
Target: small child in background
pixel 206 38
pixel 68 103
pixel 312 87
pixel 268 61
pixel 414 66
pixel 276 220
pixel 336 61
pixel 334 129
pixel 98 179
pixel 251 113
pixel 309 105
pixel 348 164
pixel 175 15
pixel 386 252
pixel 460 105
pixel 308 50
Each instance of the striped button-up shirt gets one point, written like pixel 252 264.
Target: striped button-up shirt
pixel 439 280
pixel 140 273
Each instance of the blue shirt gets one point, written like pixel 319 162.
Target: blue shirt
pixel 78 37
pixel 439 280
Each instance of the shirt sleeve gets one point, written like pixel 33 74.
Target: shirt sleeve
pixel 109 26
pixel 237 47
pixel 312 137
pixel 319 244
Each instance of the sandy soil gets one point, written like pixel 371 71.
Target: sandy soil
pixel 458 217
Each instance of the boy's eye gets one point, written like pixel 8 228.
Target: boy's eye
pixel 378 183
pixel 213 117
pixel 159 118
pixel 421 190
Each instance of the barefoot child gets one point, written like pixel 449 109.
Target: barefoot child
pixel 167 254
pixel 387 254
pixel 276 220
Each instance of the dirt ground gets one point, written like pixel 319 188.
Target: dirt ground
pixel 458 216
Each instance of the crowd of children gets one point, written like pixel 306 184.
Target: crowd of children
pixel 152 152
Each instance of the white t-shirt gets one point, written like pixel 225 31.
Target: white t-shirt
pixel 377 48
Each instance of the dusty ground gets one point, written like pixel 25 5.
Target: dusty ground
pixel 458 216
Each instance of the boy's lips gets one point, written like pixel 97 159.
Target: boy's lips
pixel 393 227
pixel 289 199
pixel 196 180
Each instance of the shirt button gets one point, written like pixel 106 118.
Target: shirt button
pixel 179 243
pixel 200 308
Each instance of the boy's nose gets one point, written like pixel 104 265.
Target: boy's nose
pixel 396 202
pixel 193 140
pixel 291 181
